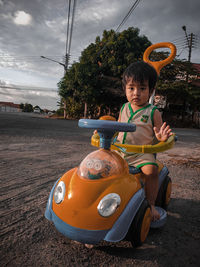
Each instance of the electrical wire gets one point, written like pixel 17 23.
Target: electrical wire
pixel 27 88
pixel 128 14
pixel 70 24
pixel 133 7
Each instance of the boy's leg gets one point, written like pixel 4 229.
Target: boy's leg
pixel 151 187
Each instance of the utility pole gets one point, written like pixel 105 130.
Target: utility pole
pixel 190 46
pixel 190 40
pixel 65 65
pixel 70 23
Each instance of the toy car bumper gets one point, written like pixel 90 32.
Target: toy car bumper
pixel 115 234
pixel 74 233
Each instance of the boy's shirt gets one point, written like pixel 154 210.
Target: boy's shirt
pixel 143 119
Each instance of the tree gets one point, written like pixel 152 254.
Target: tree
pixel 172 82
pixel 21 106
pixel 180 91
pixel 96 79
pixel 27 108
pixel 118 50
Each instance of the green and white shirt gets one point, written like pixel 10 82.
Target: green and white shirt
pixel 143 119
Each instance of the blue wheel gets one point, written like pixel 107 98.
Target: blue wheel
pixel 140 226
pixel 164 193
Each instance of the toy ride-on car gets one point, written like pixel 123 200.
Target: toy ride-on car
pixel 102 199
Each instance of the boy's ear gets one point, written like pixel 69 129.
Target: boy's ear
pixel 151 98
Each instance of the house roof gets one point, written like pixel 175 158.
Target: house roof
pixel 197 67
pixel 197 80
pixel 9 104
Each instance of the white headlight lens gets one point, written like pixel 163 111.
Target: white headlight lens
pixel 59 192
pixel 108 205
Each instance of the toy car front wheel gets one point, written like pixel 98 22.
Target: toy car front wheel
pixel 164 193
pixel 140 226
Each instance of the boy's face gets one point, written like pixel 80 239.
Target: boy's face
pixel 137 94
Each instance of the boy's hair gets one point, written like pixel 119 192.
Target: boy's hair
pixel 140 72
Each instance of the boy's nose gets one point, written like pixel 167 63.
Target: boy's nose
pixel 136 91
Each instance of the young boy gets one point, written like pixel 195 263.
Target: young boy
pixel 139 81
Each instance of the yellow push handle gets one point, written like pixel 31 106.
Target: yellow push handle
pixel 158 65
pixel 160 147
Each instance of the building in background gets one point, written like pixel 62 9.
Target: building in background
pixel 9 107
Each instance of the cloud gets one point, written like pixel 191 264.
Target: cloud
pixel 21 48
pixel 45 98
pixel 22 18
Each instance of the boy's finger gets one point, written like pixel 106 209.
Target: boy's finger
pixel 166 128
pixel 155 129
pixel 163 126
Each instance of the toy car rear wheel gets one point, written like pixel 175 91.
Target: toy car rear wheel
pixel 164 193
pixel 140 226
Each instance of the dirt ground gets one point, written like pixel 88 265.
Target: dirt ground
pixel 35 152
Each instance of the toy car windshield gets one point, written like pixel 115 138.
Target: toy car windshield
pixel 99 164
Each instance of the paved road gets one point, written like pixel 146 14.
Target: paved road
pixel 31 124
pixel 17 123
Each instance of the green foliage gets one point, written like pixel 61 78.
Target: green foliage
pixel 21 106
pixel 174 84
pixel 74 109
pixel 27 108
pixel 60 112
pixel 96 79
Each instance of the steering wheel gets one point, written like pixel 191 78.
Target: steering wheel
pixel 106 129
pixel 105 122
pixel 158 65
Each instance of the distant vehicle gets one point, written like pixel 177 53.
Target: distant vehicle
pixel 36 110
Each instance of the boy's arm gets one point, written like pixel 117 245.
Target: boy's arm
pixel 119 118
pixel 120 112
pixel 162 130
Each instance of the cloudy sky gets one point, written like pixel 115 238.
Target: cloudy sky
pixel 30 29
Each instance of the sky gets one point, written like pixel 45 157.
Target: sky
pixel 31 29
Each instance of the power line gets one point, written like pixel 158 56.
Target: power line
pixel 70 20
pixel 123 21
pixel 128 14
pixel 27 88
pixel 72 25
pixel 178 38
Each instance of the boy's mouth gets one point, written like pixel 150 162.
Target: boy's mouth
pixel 135 99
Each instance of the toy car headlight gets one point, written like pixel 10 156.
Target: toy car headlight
pixel 59 192
pixel 108 204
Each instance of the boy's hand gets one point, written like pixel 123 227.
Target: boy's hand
pixel 163 133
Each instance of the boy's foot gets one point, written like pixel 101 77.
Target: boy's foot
pixel 89 246
pixel 86 245
pixel 154 213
